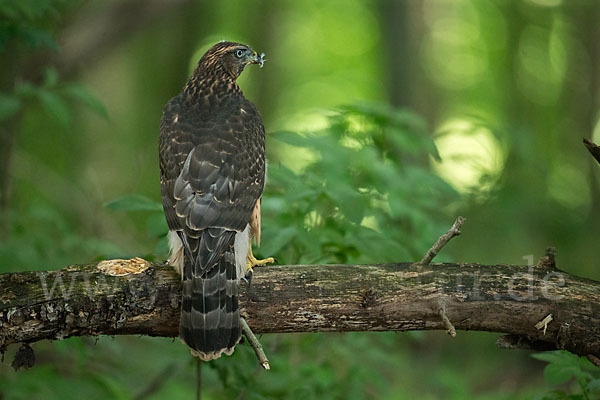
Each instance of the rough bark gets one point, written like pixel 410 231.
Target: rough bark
pixel 88 300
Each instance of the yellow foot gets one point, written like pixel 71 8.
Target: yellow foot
pixel 252 262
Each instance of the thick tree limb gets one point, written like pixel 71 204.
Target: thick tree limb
pixel 87 300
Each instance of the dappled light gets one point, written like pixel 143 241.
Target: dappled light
pixel 468 153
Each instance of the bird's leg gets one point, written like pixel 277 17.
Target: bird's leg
pixel 252 262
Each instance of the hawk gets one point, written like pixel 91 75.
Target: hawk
pixel 212 174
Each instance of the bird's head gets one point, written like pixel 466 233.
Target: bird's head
pixel 230 57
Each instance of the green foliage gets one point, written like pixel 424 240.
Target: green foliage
pixel 28 22
pixel 52 244
pixel 367 196
pixel 358 190
pixel 564 366
pixel 84 96
pixel 339 208
pixel 156 225
pixel 32 23
pixel 54 97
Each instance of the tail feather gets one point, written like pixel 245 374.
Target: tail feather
pixel 210 321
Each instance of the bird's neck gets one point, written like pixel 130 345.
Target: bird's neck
pixel 206 82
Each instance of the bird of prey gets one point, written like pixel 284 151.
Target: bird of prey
pixel 212 174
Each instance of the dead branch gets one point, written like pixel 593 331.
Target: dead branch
pixel 593 148
pixel 443 240
pixel 512 299
pixel 258 349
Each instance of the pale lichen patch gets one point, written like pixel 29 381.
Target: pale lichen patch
pixel 6 297
pixel 119 267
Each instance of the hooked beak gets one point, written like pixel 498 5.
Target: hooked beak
pixel 257 59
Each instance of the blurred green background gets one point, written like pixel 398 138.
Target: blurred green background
pixel 384 121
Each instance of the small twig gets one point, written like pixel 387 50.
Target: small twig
pixel 258 349
pixel 449 327
pixel 442 241
pixel 593 148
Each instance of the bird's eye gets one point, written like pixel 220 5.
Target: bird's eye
pixel 239 53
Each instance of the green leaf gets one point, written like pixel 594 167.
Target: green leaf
pixel 586 365
pixel 85 96
pixel 554 395
pixel 291 138
pixel 134 202
pixel 277 240
pixel 349 201
pixel 554 356
pixel 558 373
pixel 35 38
pixel 594 386
pixel 9 106
pixel 563 366
pixel 55 107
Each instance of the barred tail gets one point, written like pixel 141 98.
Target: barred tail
pixel 210 319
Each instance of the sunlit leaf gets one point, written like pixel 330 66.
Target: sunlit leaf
pixel 350 201
pixel 291 138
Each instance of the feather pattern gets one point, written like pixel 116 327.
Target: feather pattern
pixel 212 169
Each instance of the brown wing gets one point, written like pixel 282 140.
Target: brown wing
pixel 212 174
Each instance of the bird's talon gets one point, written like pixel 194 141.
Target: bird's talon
pixel 253 262
pixel 248 277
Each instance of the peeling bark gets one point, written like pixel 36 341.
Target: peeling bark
pixel 88 300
